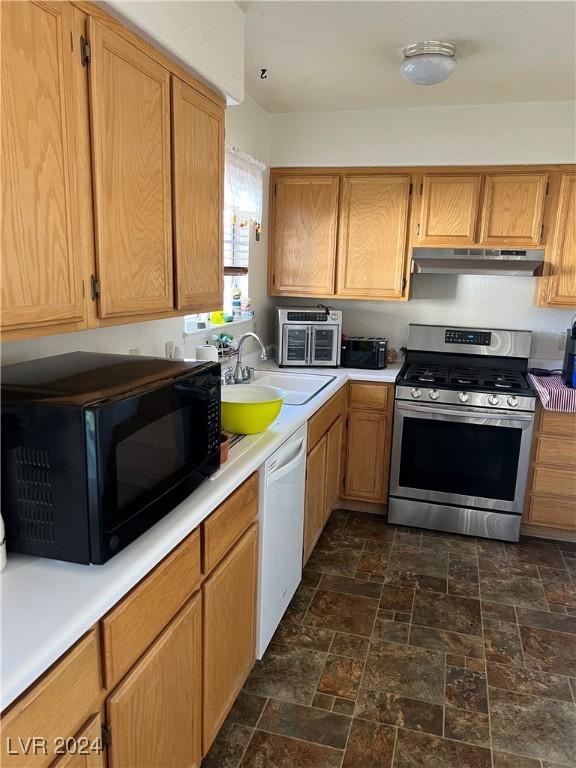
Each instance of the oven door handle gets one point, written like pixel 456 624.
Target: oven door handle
pixel 309 343
pixel 464 412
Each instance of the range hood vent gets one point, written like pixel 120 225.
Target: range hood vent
pixel 477 261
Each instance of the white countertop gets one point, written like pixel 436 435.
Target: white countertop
pixel 46 605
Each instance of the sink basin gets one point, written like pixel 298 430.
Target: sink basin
pixel 250 408
pixel 300 387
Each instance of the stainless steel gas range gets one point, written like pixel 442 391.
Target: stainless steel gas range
pixel 463 419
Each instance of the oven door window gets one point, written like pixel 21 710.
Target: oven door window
pixel 466 459
pixel 324 344
pixel 295 344
pixel 147 445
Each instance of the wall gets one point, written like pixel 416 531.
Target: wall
pixel 514 133
pixel 247 128
pixel 207 37
pixel 488 133
pixel 495 302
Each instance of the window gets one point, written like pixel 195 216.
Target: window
pixel 243 178
pixel 242 221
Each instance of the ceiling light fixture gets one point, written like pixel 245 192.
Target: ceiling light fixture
pixel 428 63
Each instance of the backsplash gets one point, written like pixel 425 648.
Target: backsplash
pixel 496 302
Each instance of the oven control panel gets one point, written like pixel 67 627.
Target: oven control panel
pixel 478 338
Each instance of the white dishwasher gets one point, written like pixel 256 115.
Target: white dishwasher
pixel 282 488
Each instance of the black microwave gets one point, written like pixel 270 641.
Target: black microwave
pixel 96 448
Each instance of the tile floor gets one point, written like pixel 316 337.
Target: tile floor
pixel 411 649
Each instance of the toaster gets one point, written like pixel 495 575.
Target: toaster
pixel 364 352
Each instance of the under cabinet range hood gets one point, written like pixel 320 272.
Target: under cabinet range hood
pixel 477 261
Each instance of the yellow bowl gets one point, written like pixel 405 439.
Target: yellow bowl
pixel 249 408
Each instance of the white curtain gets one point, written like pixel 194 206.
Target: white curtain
pixel 243 188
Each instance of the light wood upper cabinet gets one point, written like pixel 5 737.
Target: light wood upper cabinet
pixel 372 236
pixel 41 259
pixel 305 215
pixel 513 209
pixel 449 209
pixel 560 286
pixel 155 712
pixel 198 174
pixel 130 112
pixel 229 631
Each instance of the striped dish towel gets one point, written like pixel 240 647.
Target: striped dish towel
pixel 554 394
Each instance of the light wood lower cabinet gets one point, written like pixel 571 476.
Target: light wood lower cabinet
pixel 176 654
pixel 326 437
pixel 87 749
pixel 315 511
pixel 130 627
pixel 334 444
pixel 550 508
pixel 369 441
pixel 229 631
pixel 155 713
pixel 56 706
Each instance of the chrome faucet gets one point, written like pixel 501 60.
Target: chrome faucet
pixel 242 375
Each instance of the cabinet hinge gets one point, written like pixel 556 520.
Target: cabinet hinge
pixel 95 287
pixel 275 189
pixel 403 283
pixel 410 188
pixel 421 187
pixel 106 735
pixel 273 279
pixel 547 186
pixel 85 52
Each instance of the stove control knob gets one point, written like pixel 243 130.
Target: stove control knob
pixel 494 400
pixel 434 394
pixel 513 401
pixel 416 392
pixel 463 397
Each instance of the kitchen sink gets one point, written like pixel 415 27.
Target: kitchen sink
pixel 301 387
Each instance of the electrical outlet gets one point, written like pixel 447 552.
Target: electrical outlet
pixel 169 349
pixel 562 341
pixel 134 351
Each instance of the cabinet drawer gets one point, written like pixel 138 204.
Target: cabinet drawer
pixel 369 397
pixel 555 423
pixel 552 512
pixel 56 706
pixel 321 422
pixel 556 450
pixel 557 482
pixel 226 524
pixel 131 626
